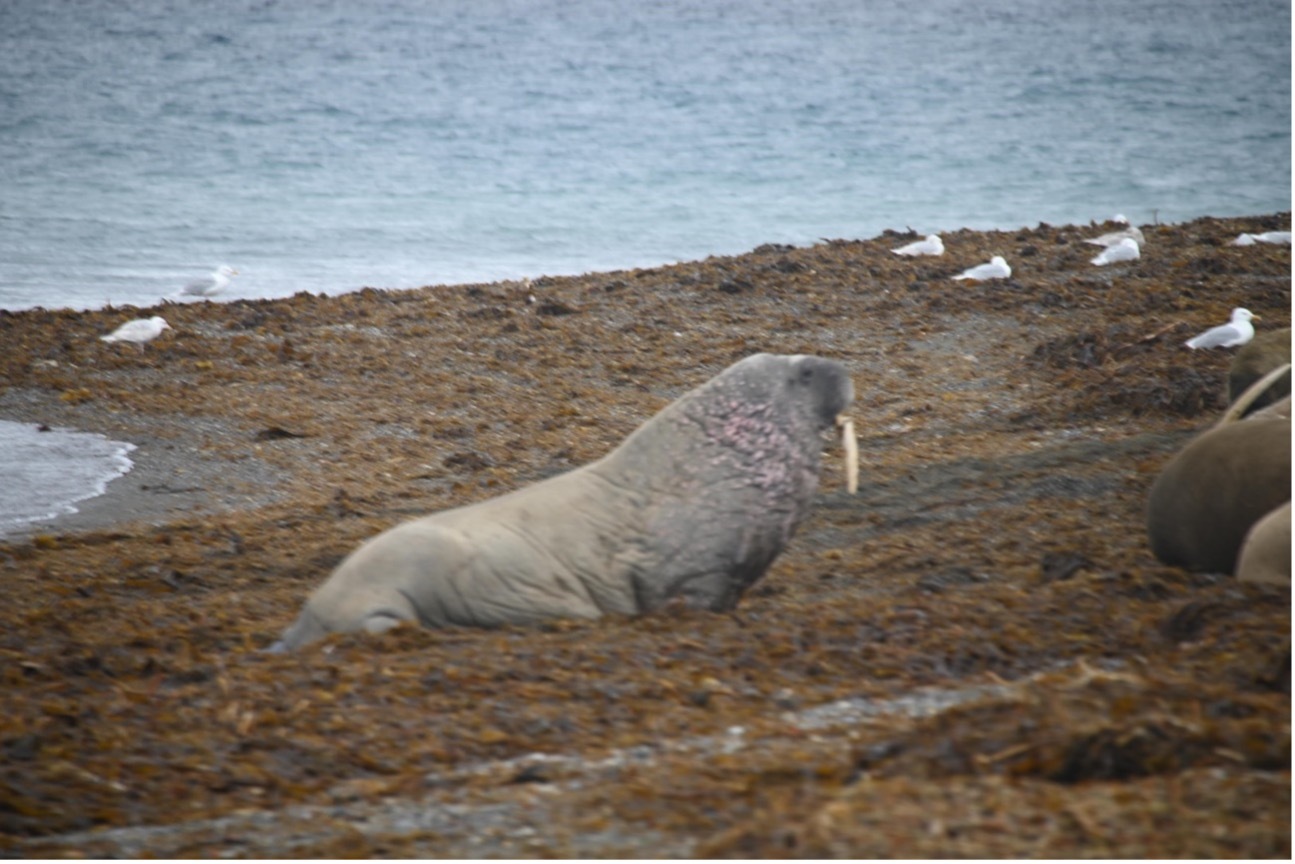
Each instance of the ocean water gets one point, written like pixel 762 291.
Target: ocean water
pixel 45 473
pixel 324 146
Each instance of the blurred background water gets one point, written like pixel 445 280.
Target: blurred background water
pixel 325 146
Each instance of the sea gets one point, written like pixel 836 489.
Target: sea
pixel 326 146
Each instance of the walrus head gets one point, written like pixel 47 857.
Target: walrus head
pixel 771 405
pixel 1265 352
pixel 1267 390
pixel 823 383
pixel 832 390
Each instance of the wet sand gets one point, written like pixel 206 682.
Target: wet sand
pixel 976 655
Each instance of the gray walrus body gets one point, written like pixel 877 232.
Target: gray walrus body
pixel 695 504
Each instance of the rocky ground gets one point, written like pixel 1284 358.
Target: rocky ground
pixel 976 655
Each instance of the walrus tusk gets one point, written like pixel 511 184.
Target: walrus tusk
pixel 1251 394
pixel 851 445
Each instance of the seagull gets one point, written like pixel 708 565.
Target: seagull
pixel 1126 250
pixel 139 331
pixel 209 286
pixel 996 269
pixel 1266 237
pixel 1236 332
pixel 1131 233
pixel 1274 237
pixel 932 245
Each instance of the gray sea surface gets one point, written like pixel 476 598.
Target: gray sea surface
pixel 326 146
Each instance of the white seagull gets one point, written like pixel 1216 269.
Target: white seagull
pixel 209 286
pixel 996 269
pixel 1131 233
pixel 1126 250
pixel 1266 237
pixel 139 331
pixel 932 245
pixel 1236 332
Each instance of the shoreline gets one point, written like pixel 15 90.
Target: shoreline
pixel 561 271
pixel 1009 432
pixel 167 482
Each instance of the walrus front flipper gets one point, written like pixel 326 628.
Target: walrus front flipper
pixel 309 627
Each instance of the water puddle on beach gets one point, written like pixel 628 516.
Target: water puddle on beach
pixel 43 474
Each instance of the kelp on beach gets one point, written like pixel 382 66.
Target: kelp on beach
pixel 1107 705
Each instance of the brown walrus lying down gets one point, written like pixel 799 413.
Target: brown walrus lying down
pixel 1224 481
pixel 695 504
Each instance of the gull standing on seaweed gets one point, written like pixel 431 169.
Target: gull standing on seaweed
pixel 209 286
pixel 1125 250
pixel 139 331
pixel 996 269
pixel 931 245
pixel 1266 237
pixel 1236 332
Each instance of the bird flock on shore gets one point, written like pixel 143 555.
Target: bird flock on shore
pixel 1124 244
pixel 1118 246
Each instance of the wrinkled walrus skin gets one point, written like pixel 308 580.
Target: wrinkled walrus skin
pixel 1215 488
pixel 694 504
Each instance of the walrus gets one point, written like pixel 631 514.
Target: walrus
pixel 1256 359
pixel 695 504
pixel 1219 485
pixel 1266 553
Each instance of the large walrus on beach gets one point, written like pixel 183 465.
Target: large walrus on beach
pixel 695 504
pixel 1224 481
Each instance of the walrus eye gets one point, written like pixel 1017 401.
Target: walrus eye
pixel 806 374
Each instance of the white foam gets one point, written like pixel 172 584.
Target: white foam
pixel 44 474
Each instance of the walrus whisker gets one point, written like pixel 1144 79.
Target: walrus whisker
pixel 851 445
